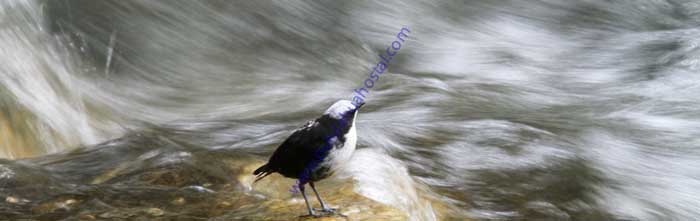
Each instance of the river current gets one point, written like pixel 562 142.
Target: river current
pixel 582 110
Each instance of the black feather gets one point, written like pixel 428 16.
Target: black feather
pixel 294 154
pixel 262 172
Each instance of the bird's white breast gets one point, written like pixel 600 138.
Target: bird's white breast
pixel 339 156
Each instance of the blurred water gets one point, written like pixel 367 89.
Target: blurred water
pixel 509 109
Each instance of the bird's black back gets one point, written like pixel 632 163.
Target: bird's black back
pixel 305 145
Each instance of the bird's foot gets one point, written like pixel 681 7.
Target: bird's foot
pixel 329 212
pixel 311 215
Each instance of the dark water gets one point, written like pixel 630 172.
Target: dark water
pixel 582 110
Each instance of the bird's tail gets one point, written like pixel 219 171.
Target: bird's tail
pixel 262 172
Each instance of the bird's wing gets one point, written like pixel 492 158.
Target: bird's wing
pixel 294 154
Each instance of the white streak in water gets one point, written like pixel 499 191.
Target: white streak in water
pixel 110 51
pixel 386 180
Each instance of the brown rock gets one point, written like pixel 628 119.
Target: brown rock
pixel 280 204
pixel 155 212
pixel 87 217
pixel 11 199
pixel 178 201
pixel 55 205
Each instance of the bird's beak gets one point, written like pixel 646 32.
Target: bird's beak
pixel 359 106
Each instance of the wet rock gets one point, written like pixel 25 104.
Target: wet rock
pixel 155 212
pixel 10 199
pixel 179 201
pixel 109 174
pixel 117 214
pixel 17 140
pixel 60 204
pixel 16 200
pixel 87 217
pixel 214 186
pixel 280 203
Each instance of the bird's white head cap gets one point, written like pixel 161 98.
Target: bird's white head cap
pixel 342 108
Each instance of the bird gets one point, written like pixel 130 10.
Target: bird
pixel 316 150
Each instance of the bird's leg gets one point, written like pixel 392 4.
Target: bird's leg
pixel 308 205
pixel 323 205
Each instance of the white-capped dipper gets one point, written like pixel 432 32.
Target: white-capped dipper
pixel 316 150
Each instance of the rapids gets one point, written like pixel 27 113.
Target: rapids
pixel 581 110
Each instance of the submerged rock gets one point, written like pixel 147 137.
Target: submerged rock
pixel 155 212
pixel 167 183
pixel 280 202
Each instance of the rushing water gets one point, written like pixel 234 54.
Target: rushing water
pixel 581 110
